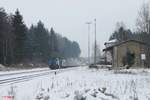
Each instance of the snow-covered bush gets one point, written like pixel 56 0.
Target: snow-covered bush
pixel 79 96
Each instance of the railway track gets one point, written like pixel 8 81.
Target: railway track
pixel 22 78
pixel 22 72
pixel 18 77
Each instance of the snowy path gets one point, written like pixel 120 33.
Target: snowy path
pixel 89 84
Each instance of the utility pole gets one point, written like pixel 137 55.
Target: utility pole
pixel 95 44
pixel 88 23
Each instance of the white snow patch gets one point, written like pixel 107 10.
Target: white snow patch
pixel 85 84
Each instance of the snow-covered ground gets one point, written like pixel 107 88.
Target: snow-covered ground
pixel 22 71
pixel 84 84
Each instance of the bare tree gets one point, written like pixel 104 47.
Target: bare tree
pixel 119 25
pixel 121 33
pixel 143 20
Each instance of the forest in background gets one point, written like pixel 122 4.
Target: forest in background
pixel 20 44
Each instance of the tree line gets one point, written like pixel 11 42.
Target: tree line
pixel 142 32
pixel 19 44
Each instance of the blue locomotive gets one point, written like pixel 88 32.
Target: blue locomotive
pixel 55 63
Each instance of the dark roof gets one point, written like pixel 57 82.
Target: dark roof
pixel 120 43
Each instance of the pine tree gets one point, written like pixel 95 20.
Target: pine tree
pixel 20 31
pixel 43 41
pixel 6 38
pixel 38 42
pixel 53 44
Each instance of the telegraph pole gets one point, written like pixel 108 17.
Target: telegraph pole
pixel 95 47
pixel 88 23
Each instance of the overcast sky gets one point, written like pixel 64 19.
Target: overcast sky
pixel 68 17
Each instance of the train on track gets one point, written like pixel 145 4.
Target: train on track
pixel 55 63
pixel 58 63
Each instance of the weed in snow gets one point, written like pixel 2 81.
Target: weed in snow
pixel 79 96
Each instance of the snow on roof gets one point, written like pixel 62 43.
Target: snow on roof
pixel 111 45
pixel 111 41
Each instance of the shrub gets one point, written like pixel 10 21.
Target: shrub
pixel 128 59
